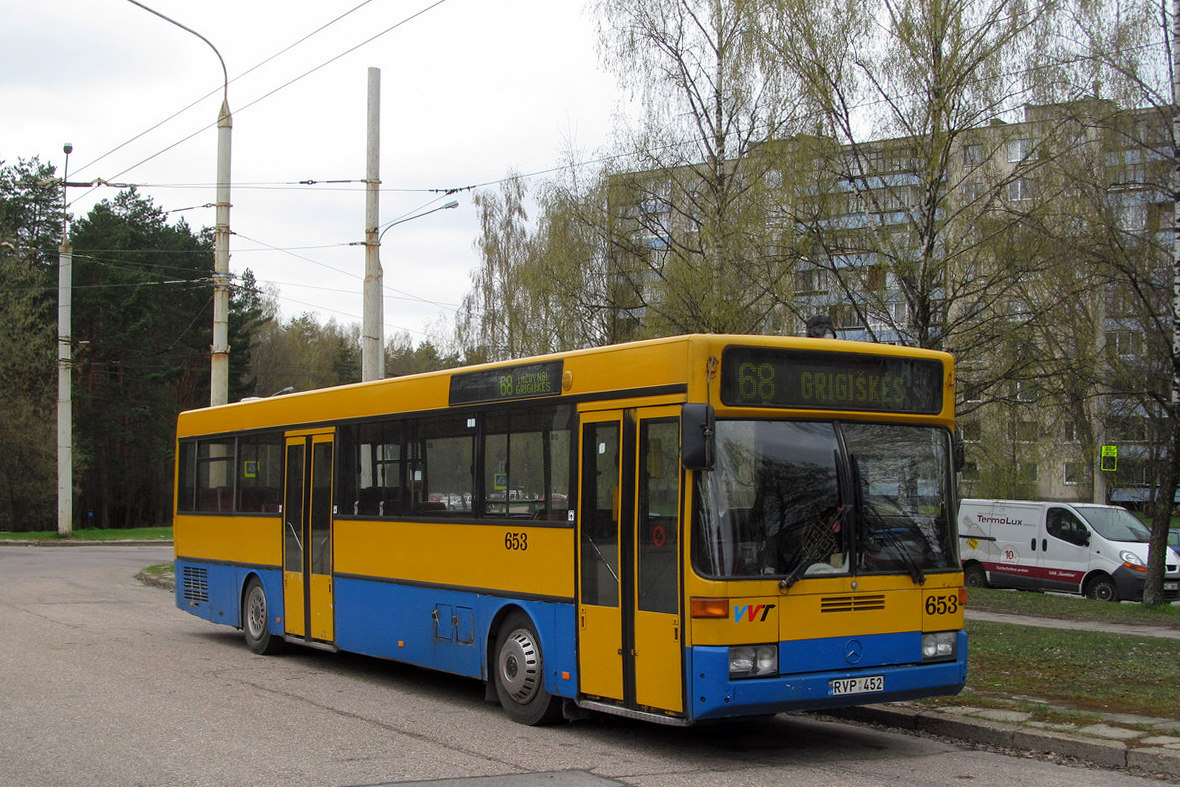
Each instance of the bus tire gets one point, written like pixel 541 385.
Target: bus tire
pixel 255 619
pixel 974 576
pixel 519 673
pixel 1102 588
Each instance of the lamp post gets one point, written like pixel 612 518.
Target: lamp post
pixel 219 352
pixel 65 402
pixel 373 328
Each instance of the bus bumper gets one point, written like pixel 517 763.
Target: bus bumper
pixel 713 695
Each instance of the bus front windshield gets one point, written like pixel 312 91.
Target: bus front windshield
pixel 789 499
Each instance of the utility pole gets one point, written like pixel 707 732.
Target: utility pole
pixel 219 355
pixel 373 327
pixel 65 365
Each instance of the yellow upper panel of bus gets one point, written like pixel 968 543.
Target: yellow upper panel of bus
pixel 677 368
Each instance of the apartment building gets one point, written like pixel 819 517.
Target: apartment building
pixel 1037 251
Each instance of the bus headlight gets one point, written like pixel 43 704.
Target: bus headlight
pixel 940 646
pixel 753 661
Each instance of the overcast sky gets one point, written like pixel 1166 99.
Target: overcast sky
pixel 470 89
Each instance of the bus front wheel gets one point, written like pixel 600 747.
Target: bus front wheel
pixel 519 673
pixel 255 620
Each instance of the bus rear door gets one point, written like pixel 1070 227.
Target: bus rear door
pixel 307 537
pixel 630 639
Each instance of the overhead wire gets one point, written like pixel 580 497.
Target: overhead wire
pixel 218 89
pixel 281 87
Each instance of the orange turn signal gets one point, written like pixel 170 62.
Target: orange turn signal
pixel 709 607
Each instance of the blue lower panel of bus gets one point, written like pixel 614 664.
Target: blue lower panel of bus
pixel 449 630
pixel 891 675
pixel 214 591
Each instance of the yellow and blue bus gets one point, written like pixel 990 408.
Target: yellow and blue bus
pixel 676 530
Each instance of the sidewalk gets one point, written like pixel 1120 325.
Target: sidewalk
pixel 1076 625
pixel 1140 744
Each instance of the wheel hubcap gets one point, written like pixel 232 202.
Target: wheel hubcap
pixel 520 666
pixel 256 613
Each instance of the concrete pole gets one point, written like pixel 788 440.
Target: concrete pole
pixel 373 327
pixel 219 355
pixel 65 365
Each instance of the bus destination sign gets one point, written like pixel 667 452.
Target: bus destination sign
pixel 522 381
pixel 759 377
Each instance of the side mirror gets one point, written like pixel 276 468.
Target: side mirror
pixel 696 436
pixel 960 451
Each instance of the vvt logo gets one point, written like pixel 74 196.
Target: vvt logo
pixel 751 612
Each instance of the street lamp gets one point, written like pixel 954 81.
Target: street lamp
pixel 373 327
pixel 65 401
pixel 448 206
pixel 219 352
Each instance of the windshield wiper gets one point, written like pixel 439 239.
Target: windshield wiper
pixel 821 544
pixel 883 531
pixel 899 547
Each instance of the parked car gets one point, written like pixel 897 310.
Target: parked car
pixel 1097 551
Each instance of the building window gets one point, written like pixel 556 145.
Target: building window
pixel 1071 432
pixel 1022 431
pixel 1018 150
pixel 1027 471
pixel 811 280
pixel 1020 190
pixel 1075 473
pixel 973 190
pixel 1125 343
pixel 973 155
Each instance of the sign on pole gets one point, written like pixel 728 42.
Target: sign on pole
pixel 1110 458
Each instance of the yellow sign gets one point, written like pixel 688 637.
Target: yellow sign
pixel 1110 458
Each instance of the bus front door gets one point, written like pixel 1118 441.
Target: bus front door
pixel 307 537
pixel 630 649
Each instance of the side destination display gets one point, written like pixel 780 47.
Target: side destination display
pixel 752 377
pixel 508 382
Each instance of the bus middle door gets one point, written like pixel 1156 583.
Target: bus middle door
pixel 630 644
pixel 307 537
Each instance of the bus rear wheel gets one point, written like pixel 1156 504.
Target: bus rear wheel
pixel 519 673
pixel 255 620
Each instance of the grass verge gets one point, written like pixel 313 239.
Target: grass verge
pixel 1065 676
pixel 122 534
pixel 1075 670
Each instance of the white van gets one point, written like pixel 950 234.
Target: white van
pixel 1098 551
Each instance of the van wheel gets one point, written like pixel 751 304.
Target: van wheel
pixel 519 673
pixel 255 624
pixel 974 576
pixel 1102 589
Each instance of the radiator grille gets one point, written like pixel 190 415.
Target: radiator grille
pixel 852 603
pixel 196 584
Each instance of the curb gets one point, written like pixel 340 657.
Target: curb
pixel 69 542
pixel 1110 754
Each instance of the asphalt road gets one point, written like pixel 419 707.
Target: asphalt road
pixel 106 682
